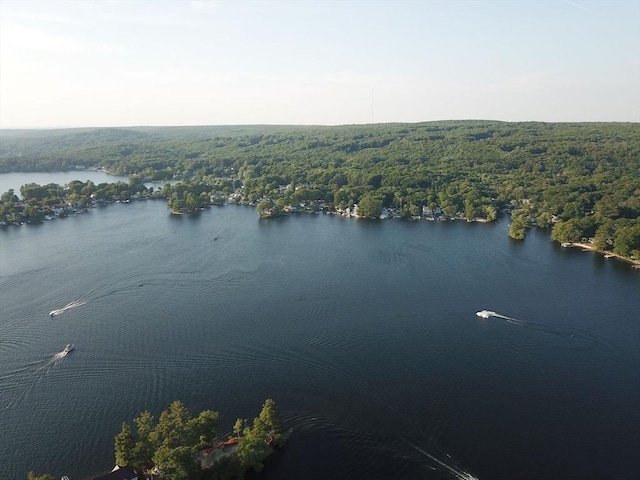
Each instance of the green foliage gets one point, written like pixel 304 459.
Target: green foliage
pixel 270 418
pixel 258 441
pixel 490 213
pixel 170 443
pixel 188 196
pixel 253 449
pixel 171 429
pixel 518 228
pixel 255 444
pixel 202 429
pixel 32 191
pixel 268 209
pixel 585 172
pixel 568 231
pixel 603 238
pixel 146 440
pixel 238 426
pixel 544 220
pixel 370 205
pixel 125 446
pixel 627 241
pixel 175 463
pixel 8 196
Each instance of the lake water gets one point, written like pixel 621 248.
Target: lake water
pixel 364 333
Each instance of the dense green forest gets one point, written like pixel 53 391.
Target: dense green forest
pixel 582 179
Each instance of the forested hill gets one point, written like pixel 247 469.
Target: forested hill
pixel 585 174
pixel 475 146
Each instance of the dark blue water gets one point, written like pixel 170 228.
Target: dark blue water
pixel 364 333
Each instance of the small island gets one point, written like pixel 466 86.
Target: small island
pixel 180 447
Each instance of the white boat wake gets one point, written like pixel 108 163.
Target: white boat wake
pixel 68 306
pixel 580 339
pixel 47 367
pixel 449 468
pixel 90 296
pixel 56 359
pixel 489 313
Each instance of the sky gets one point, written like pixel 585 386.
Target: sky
pixel 131 63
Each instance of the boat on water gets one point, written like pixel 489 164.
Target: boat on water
pixel 68 347
pixel 484 313
pixel 53 313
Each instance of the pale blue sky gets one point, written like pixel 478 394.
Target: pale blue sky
pixel 124 63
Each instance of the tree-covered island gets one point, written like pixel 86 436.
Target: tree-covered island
pixel 178 446
pixel 578 180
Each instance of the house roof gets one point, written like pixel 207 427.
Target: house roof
pixel 119 473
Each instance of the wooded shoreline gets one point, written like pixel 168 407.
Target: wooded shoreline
pixel 607 254
pixel 578 179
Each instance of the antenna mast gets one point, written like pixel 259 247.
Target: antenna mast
pixel 372 97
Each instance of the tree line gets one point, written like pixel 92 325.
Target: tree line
pixel 578 179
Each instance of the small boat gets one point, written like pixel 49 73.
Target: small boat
pixel 53 313
pixel 68 347
pixel 566 244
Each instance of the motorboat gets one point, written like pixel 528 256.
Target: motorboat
pixel 69 347
pixel 485 313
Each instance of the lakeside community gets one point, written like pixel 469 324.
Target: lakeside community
pixel 575 180
pixel 52 201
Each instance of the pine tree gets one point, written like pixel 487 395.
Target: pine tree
pixel 125 446
pixel 269 416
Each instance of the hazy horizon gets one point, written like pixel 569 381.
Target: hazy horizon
pixel 215 63
pixel 293 125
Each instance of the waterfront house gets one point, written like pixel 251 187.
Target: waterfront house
pixel 119 473
pixel 59 207
pixel 217 198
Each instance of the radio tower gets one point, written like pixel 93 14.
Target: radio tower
pixel 372 97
